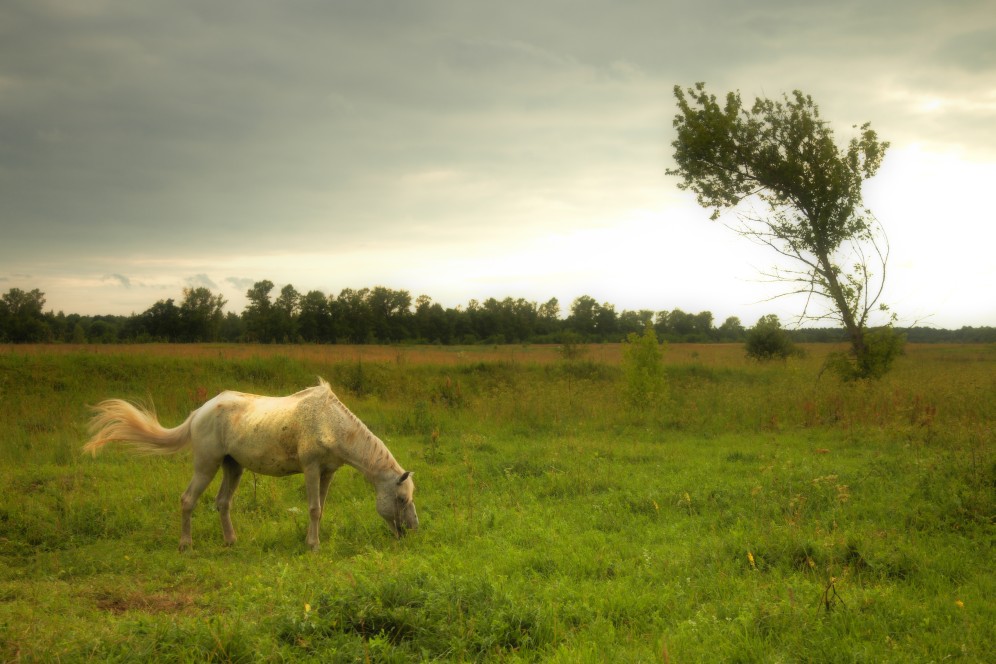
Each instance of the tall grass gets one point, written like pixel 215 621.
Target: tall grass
pixel 759 513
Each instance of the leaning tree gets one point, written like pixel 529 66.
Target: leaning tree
pixel 777 167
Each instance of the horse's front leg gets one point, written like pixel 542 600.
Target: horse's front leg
pixel 324 488
pixel 313 484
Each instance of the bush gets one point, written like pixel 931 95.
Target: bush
pixel 882 345
pixel 768 341
pixel 571 348
pixel 642 368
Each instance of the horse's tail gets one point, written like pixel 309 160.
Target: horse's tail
pixel 116 420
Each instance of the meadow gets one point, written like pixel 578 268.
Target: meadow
pixel 753 513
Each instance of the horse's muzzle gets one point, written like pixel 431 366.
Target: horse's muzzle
pixel 402 529
pixel 407 523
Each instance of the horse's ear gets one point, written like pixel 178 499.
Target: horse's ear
pixel 404 476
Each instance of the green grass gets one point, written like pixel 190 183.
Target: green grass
pixel 756 514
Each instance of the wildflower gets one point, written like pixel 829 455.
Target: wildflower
pixel 960 604
pixel 307 608
pixel 750 559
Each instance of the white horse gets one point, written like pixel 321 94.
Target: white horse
pixel 310 432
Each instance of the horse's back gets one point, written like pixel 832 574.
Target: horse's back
pixel 261 433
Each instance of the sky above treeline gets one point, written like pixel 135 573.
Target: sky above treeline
pixel 468 149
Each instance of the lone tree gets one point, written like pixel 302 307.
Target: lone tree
pixel 781 155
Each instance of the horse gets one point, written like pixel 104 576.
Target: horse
pixel 310 432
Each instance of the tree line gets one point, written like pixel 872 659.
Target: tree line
pixel 384 315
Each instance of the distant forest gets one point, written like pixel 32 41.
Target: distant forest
pixel 385 316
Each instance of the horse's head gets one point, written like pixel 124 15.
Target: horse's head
pixel 395 502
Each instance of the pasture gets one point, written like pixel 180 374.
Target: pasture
pixel 757 513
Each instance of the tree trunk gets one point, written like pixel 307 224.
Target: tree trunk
pixel 855 330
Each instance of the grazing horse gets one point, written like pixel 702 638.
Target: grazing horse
pixel 309 432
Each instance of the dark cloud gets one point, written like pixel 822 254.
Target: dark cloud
pixel 149 126
pixel 973 51
pixel 120 279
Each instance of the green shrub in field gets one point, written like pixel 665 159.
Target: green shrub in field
pixel 882 346
pixel 418 420
pixel 768 341
pixel 643 369
pixel 570 346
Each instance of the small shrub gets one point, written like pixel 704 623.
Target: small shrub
pixel 768 341
pixel 642 368
pixel 571 348
pixel 882 345
pixel 419 420
pixel 449 393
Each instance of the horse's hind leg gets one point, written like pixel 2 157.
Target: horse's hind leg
pixel 231 474
pixel 313 487
pixel 204 472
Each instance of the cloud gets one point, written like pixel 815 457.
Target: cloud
pixel 242 283
pixel 201 280
pixel 119 278
pixel 972 51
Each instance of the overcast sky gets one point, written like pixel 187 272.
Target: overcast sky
pixel 468 149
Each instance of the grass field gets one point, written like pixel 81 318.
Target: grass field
pixel 757 513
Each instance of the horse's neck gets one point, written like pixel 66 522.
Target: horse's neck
pixel 365 452
pixel 371 457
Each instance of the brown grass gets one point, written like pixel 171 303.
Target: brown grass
pixel 708 354
pixel 441 355
pixel 119 602
pixel 729 355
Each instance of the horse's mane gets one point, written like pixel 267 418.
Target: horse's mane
pixel 338 402
pixel 376 455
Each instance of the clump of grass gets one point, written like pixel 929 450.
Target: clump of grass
pixel 413 615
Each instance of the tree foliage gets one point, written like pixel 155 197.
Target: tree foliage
pixel 20 314
pixel 161 321
pixel 782 156
pixel 258 314
pixel 201 314
pixel 349 318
